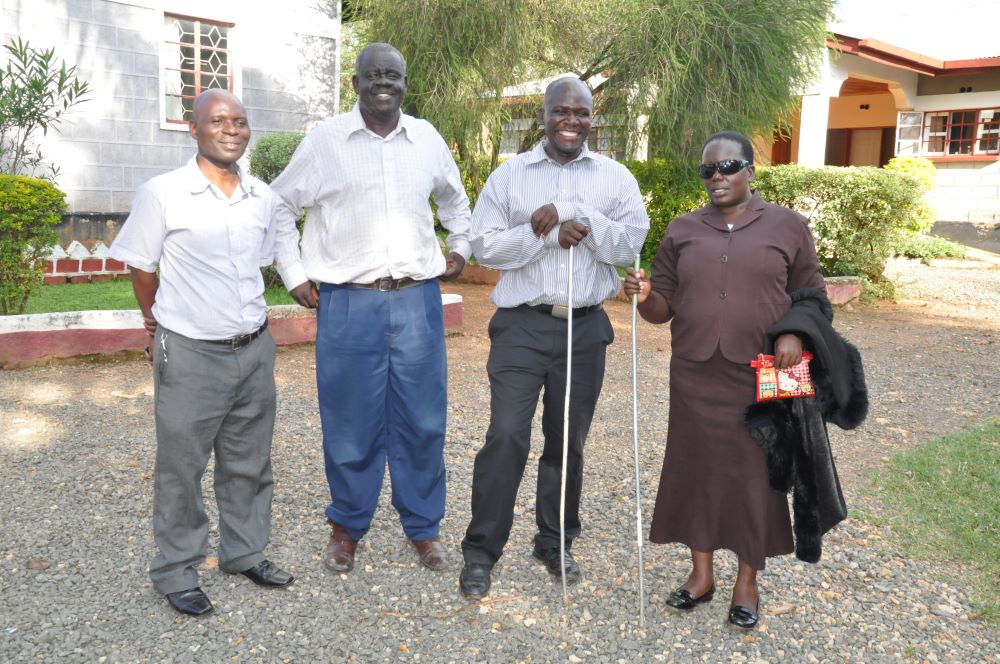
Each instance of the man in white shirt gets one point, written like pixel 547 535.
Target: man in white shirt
pixel 365 179
pixel 208 227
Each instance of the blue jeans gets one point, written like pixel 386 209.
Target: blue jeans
pixel 381 374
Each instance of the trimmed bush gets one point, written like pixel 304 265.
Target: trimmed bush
pixel 925 171
pixel 858 214
pixel 928 247
pixel 29 210
pixel 670 189
pixel 272 153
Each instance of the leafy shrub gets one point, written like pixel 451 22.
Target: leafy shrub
pixel 34 95
pixel 670 189
pixel 925 171
pixel 29 208
pixel 268 158
pixel 928 247
pixel 859 214
pixel 272 153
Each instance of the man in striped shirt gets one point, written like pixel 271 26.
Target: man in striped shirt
pixel 532 210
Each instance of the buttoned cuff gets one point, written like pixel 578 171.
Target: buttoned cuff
pixel 292 275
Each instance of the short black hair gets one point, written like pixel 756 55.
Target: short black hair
pixel 736 137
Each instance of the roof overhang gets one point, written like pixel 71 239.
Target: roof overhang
pixel 894 56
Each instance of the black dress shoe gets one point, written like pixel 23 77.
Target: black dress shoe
pixel 191 602
pixel 682 600
pixel 474 581
pixel 268 575
pixel 551 559
pixel 744 618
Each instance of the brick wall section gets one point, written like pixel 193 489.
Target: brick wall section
pixel 86 270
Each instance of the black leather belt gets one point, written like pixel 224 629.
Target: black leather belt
pixel 560 311
pixel 242 340
pixel 389 284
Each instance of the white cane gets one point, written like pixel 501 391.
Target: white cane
pixel 635 448
pixel 565 449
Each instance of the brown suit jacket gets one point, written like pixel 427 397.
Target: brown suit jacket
pixel 726 287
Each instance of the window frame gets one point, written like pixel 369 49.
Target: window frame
pixel 950 134
pixel 234 75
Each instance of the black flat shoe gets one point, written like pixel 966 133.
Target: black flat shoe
pixel 551 559
pixel 744 618
pixel 268 575
pixel 682 600
pixel 191 602
pixel 474 581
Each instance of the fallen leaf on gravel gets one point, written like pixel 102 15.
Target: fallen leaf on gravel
pixel 574 659
pixel 528 622
pixel 38 563
pixel 781 609
pixel 827 595
pixel 211 563
pixel 404 648
pixel 661 348
pixel 748 639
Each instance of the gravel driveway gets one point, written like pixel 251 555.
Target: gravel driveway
pixel 76 455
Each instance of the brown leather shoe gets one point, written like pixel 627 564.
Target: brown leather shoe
pixel 431 553
pixel 339 554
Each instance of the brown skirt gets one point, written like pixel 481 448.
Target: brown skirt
pixel 713 491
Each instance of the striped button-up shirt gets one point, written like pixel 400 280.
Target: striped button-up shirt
pixel 369 214
pixel 591 190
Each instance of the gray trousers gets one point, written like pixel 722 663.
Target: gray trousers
pixel 211 397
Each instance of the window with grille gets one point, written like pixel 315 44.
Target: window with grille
pixel 196 57
pixel 608 140
pixel 961 133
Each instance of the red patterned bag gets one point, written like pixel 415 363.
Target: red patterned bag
pixel 786 384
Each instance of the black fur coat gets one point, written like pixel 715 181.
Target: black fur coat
pixel 792 432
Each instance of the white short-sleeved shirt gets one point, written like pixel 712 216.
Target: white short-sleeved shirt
pixel 208 247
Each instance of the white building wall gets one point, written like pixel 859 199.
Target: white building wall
pixel 286 59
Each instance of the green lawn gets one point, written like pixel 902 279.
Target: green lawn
pixel 944 503
pixel 108 295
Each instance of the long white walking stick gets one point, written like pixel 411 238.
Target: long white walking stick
pixel 565 449
pixel 635 448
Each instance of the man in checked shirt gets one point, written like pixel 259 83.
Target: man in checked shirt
pixel 365 178
pixel 532 210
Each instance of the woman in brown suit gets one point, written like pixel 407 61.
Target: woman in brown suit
pixel 722 276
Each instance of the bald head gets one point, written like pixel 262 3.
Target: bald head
pixel 208 98
pixel 378 48
pixel 568 85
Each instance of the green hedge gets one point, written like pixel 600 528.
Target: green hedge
pixel 272 153
pixel 860 212
pixel 925 171
pixel 29 210
pixel 670 190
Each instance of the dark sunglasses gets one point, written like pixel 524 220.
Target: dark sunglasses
pixel 726 167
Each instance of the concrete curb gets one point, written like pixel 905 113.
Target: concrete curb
pixel 38 338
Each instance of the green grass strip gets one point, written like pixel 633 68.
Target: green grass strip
pixel 943 500
pixel 48 298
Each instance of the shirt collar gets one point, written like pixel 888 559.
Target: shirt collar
pixel 538 154
pixel 198 183
pixel 356 123
pixel 713 216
